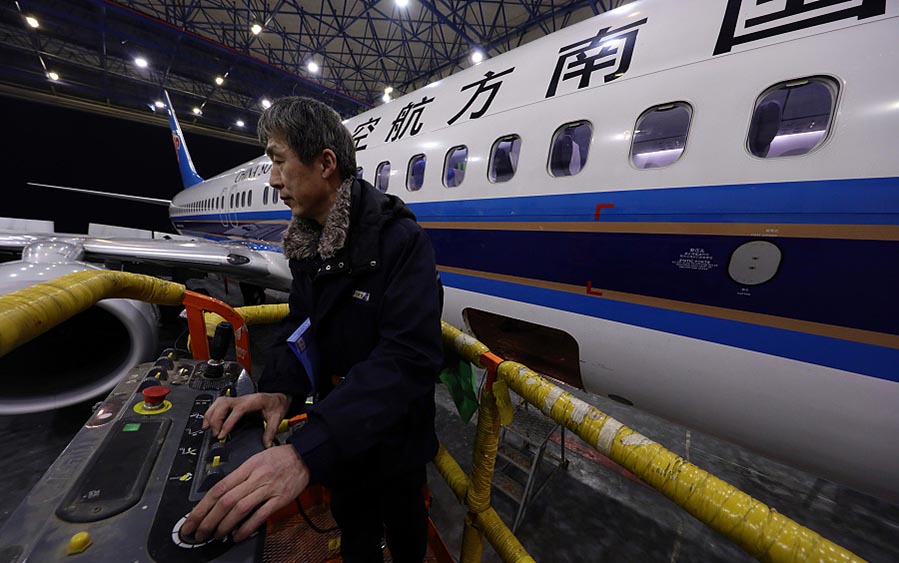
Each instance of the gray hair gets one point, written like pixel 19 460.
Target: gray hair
pixel 309 127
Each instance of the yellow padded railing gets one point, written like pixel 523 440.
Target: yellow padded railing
pixel 757 528
pixel 488 521
pixel 252 315
pixel 29 312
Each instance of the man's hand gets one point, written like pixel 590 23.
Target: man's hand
pixel 224 413
pixel 264 483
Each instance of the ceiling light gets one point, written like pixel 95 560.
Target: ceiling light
pixel 32 21
pixel 219 80
pixel 198 111
pixel 52 75
pixel 256 29
pixel 239 123
pixel 388 90
pixel 312 66
pixel 386 98
pixel 402 3
pixel 477 57
pixel 159 103
pixel 141 62
pixel 266 103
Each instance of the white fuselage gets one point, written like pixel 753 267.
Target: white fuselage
pixel 637 264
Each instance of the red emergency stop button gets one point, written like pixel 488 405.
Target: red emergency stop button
pixel 154 397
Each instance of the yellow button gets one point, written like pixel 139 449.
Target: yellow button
pixel 216 460
pixel 79 542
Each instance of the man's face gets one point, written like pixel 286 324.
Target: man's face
pixel 303 188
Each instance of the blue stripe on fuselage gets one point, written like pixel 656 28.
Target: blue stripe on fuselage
pixel 865 201
pixel 875 361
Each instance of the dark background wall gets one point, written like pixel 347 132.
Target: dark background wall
pixel 53 145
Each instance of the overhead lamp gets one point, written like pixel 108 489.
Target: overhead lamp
pixel 402 3
pixel 141 62
pixel 256 29
pixel 32 21
pixel 239 123
pixel 159 103
pixel 219 80
pixel 312 66
pixel 197 111
pixel 266 103
pixel 386 98
pixel 52 75
pixel 477 57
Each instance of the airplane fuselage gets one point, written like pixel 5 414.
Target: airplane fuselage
pixel 613 181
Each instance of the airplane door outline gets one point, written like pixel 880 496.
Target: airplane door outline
pixel 224 209
pixel 232 213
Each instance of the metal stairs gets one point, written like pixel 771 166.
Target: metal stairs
pixel 524 465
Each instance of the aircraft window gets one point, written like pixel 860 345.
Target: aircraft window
pixel 571 143
pixel 792 118
pixel 359 172
pixel 382 178
pixel 250 199
pixel 504 158
pixel 660 135
pixel 454 169
pixel 415 177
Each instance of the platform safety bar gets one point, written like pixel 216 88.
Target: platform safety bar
pixel 29 312
pixel 757 528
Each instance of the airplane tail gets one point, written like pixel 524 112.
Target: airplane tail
pixel 189 174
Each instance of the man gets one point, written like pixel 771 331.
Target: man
pixel 364 273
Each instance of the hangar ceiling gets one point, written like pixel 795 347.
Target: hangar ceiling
pixel 360 48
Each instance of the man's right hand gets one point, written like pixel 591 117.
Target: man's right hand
pixel 225 412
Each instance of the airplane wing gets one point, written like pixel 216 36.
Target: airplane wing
pixel 235 260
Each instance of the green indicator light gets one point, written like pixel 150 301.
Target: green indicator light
pixel 131 427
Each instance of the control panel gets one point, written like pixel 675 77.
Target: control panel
pixel 123 487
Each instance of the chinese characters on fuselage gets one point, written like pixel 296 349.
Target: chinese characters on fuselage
pixel 746 21
pixel 608 48
pixel 408 120
pixel 362 132
pixel 487 84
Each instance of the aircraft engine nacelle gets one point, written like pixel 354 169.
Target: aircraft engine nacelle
pixel 85 356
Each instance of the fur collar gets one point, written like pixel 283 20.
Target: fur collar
pixel 305 238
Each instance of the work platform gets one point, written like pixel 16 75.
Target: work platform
pixel 591 511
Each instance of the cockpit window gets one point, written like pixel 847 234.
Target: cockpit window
pixel 792 118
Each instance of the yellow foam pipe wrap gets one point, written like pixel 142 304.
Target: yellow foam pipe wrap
pixel 757 528
pixel 500 536
pixel 760 530
pixel 252 315
pixel 468 347
pixel 32 311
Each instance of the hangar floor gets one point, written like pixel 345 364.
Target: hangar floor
pixel 591 511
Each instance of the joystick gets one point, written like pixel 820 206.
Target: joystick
pixel 224 334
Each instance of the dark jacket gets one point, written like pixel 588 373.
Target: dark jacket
pixel 375 308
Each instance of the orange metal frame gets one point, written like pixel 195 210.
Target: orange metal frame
pixel 196 304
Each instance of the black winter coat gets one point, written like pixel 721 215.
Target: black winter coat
pixel 375 310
